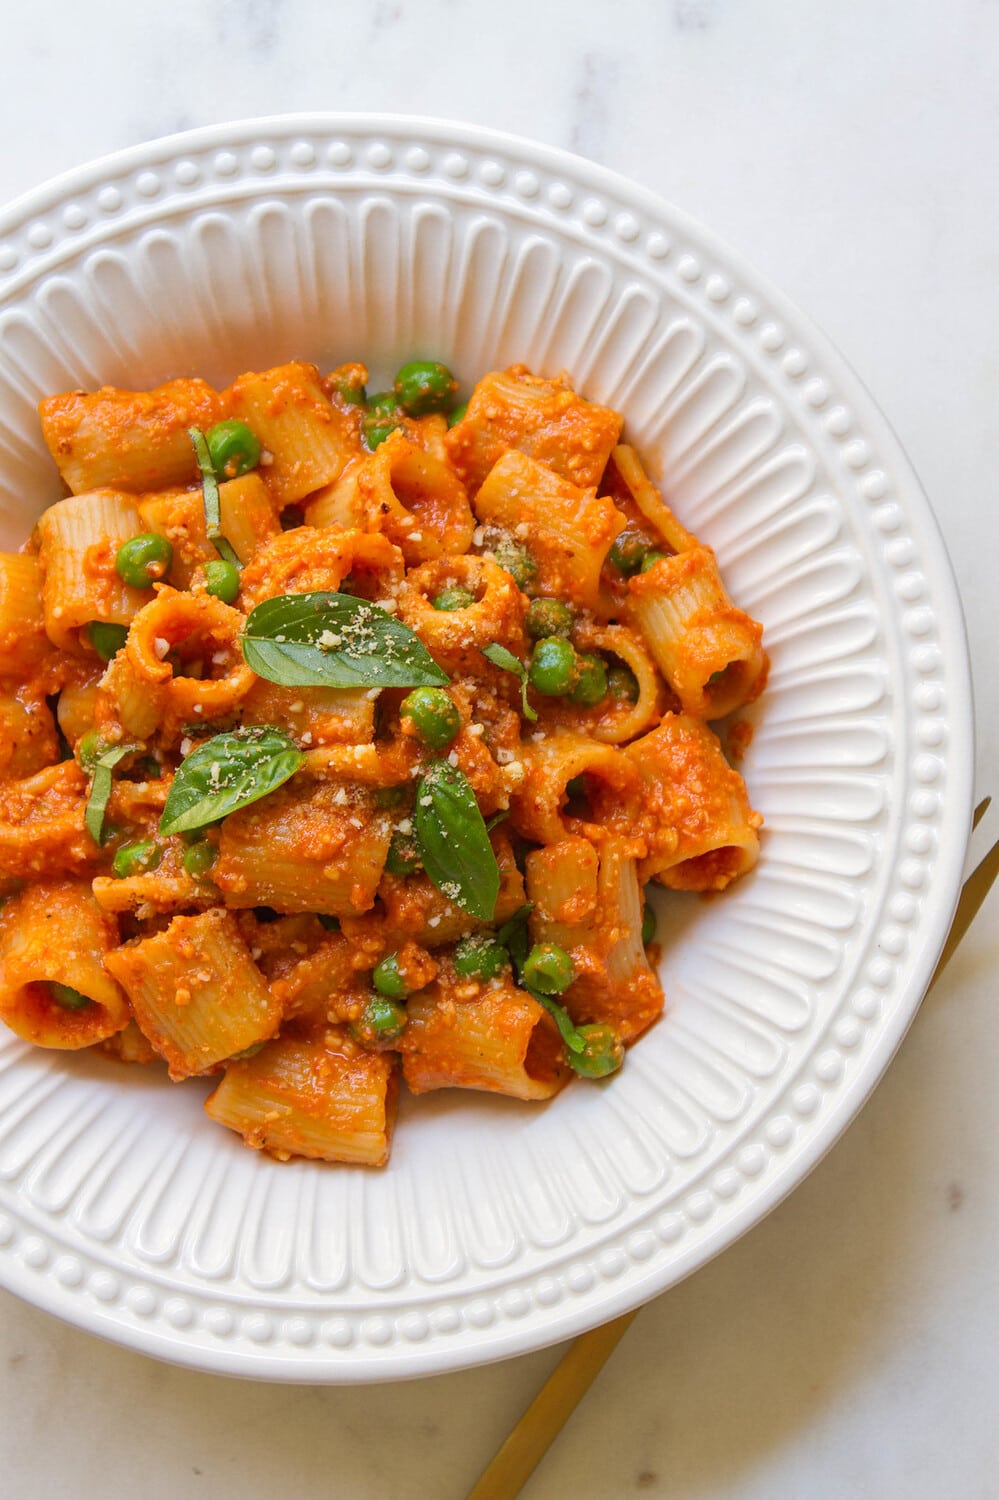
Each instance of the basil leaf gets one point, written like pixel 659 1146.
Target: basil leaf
pixel 560 1016
pixel 514 936
pixel 334 640
pixel 497 819
pixel 100 789
pixel 501 657
pixel 228 771
pixel 453 841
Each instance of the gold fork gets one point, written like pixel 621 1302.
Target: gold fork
pixel 527 1444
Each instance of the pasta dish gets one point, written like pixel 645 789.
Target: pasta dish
pixel 340 735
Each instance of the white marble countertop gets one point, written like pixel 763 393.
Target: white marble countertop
pixel 850 1344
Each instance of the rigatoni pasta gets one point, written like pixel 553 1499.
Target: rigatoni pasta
pixel 195 991
pixel 339 735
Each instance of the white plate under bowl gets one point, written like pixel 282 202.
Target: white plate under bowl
pixel 498 1227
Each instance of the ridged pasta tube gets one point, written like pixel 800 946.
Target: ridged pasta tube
pixel 56 934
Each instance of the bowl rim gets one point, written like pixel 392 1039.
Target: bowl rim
pixel 563 1321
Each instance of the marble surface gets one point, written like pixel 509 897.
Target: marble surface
pixel 848 1346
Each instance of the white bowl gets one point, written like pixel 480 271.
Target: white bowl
pixel 499 1227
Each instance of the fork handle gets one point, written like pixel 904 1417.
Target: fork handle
pixel 547 1414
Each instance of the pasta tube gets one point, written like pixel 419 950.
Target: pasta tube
pixel 543 808
pixel 567 531
pixel 23 642
pixel 543 419
pixel 196 992
pixel 247 519
pixel 77 706
pixel 42 832
pixel 647 500
pixel 316 848
pixel 182 662
pixel 699 828
pixel 312 715
pixel 328 1100
pixel 455 637
pixel 133 440
pixel 308 559
pixel 307 439
pixel 54 990
pixel 79 539
pixel 501 1041
pixel 709 652
pixel 28 740
pixel 589 902
pixel 410 495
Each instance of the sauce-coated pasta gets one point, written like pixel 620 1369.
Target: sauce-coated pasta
pixel 340 734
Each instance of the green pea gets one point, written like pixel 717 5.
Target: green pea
pixel 233 447
pixel 137 858
pixel 90 747
pixel 403 857
pixel 548 968
pixel 479 957
pixel 628 552
pixel 434 714
pixel 66 997
pixel 381 1020
pixel 143 560
pixel 650 560
pixel 354 395
pixel 602 1052
pixel 548 617
pixel 517 562
pixel 622 684
pixel 453 598
pixel 106 638
pixel 423 386
pixel 381 418
pixel 553 667
pixel 387 979
pixel 199 858
pixel 384 404
pixel 591 682
pixel 222 580
pixel 648 925
pixel 458 414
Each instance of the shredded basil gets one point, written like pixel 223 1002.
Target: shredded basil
pixel 453 843
pixel 227 772
pixel 227 552
pixel 211 498
pixel 560 1016
pixel 100 788
pixel 501 657
pixel 514 936
pixel 335 640
pixel 209 483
